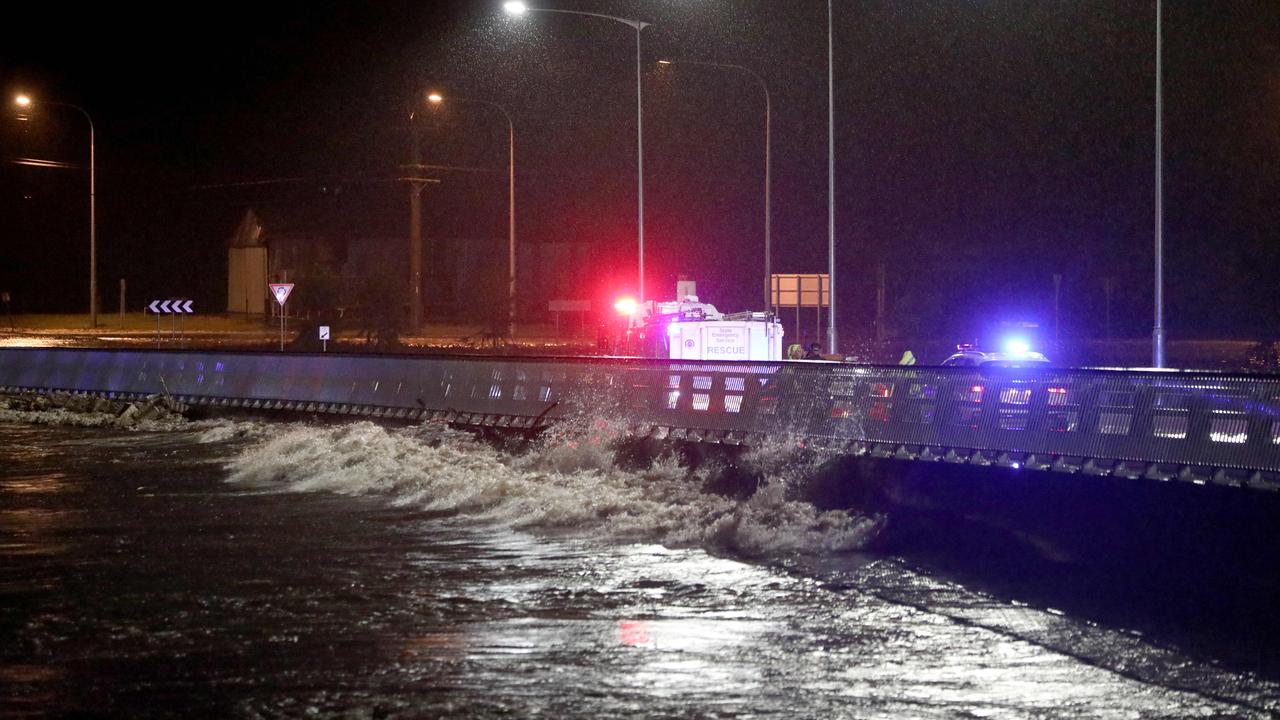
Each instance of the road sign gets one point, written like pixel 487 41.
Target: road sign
pixel 281 292
pixel 171 307
pixel 324 332
pixel 791 290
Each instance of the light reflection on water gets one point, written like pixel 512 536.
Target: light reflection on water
pixel 164 589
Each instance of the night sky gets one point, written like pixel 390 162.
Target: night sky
pixel 981 147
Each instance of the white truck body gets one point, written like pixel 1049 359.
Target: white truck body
pixel 726 340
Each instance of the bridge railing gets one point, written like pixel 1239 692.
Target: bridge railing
pixel 1158 424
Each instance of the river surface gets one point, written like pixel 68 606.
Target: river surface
pixel 240 569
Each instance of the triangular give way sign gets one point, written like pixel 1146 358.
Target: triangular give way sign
pixel 281 291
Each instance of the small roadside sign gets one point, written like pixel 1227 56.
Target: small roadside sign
pixel 324 338
pixel 175 309
pixel 281 292
pixel 171 307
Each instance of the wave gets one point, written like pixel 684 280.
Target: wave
pixel 568 481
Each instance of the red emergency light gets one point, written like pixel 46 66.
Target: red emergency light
pixel 626 306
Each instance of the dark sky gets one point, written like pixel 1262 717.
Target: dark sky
pixel 982 146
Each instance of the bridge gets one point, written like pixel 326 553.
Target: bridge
pixel 1194 427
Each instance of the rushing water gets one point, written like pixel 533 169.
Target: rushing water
pixel 256 570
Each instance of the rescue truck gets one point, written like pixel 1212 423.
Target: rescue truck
pixel 688 329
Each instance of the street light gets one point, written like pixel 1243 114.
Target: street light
pixel 25 101
pixel 1157 331
pixel 516 7
pixel 436 99
pixel 831 193
pixel 768 242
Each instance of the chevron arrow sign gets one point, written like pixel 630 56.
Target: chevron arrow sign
pixel 171 307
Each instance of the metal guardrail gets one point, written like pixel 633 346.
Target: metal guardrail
pixel 1200 427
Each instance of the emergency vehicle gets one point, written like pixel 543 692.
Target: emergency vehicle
pixel 688 329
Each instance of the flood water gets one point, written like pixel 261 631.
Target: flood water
pixel 241 569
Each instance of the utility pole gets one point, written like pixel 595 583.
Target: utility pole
pixel 415 239
pixel 416 185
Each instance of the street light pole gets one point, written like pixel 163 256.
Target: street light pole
pixel 511 227
pixel 436 98
pixel 415 230
pixel 831 195
pixel 517 7
pixel 1157 332
pixel 93 225
pixel 25 101
pixel 768 242
pixel 639 164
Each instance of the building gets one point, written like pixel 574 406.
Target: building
pixel 342 268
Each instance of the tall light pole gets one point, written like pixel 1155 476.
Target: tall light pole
pixel 517 7
pixel 831 195
pixel 436 99
pixel 768 242
pixel 1157 331
pixel 26 101
pixel 416 186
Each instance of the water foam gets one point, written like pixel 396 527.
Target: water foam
pixel 75 418
pixel 212 430
pixel 568 482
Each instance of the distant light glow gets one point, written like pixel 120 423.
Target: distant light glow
pixel 626 306
pixel 664 62
pixel 634 633
pixel 22 101
pixel 515 7
pixel 1017 346
pixel 435 98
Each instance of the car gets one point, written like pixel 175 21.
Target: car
pixel 971 356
